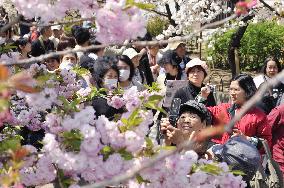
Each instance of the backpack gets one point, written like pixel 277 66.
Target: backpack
pixel 268 174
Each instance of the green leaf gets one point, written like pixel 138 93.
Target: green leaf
pixel 145 6
pixel 238 173
pixel 12 143
pixel 154 88
pixel 126 155
pixel 141 180
pixel 80 71
pixel 72 140
pixel 106 152
pixel 4 104
pixel 211 169
pixel 62 180
pixel 156 98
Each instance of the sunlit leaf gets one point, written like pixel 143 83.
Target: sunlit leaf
pixel 141 180
pixel 4 73
pixel 126 155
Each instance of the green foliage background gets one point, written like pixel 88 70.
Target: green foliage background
pixel 259 41
pixel 156 25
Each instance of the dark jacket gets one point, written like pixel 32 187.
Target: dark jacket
pixel 144 67
pixel 276 121
pixel 190 92
pixel 39 49
pixel 102 108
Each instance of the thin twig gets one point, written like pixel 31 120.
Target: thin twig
pixel 58 23
pixel 270 8
pixel 137 43
pixel 10 24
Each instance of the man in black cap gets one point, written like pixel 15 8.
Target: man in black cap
pixel 193 117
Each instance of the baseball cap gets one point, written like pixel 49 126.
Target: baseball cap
pixel 87 24
pixel 197 62
pixel 56 27
pixel 170 57
pixel 240 154
pixel 199 107
pixel 173 45
pixel 130 52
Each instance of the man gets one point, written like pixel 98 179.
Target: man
pixel 82 37
pixel 56 34
pixel 180 48
pixel 43 44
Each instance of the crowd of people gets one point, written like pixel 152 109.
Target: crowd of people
pixel 111 68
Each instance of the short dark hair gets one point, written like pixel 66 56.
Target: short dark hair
pixel 43 29
pixel 93 41
pixel 66 42
pixel 56 57
pixel 247 84
pixel 128 61
pixel 81 35
pixel 73 53
pixel 170 57
pixel 271 58
pixel 199 67
pixel 194 111
pixel 102 65
pixel 21 42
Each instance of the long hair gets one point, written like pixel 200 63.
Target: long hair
pixel 263 69
pixel 247 84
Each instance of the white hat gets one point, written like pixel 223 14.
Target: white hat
pixel 173 45
pixel 130 52
pixel 57 27
pixel 197 62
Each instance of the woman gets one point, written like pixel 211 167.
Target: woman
pixel 270 68
pixel 135 57
pixel 106 76
pixel 170 62
pixel 253 124
pixel 126 73
pixel 52 63
pixel 196 71
pixel 24 47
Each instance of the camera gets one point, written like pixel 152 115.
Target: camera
pixel 212 88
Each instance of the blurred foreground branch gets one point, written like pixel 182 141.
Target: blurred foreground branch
pixel 136 43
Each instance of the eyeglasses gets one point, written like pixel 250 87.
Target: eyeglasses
pixel 182 118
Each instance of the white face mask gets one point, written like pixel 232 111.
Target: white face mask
pixel 124 75
pixel 2 40
pixel 66 65
pixel 110 83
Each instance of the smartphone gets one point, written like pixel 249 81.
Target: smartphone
pixel 174 111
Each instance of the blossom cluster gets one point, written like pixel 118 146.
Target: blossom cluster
pixel 29 109
pixel 115 21
pixel 92 149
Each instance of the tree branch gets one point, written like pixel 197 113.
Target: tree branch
pixel 270 8
pixel 137 43
pixel 169 15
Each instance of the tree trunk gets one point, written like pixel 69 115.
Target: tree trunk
pixel 235 44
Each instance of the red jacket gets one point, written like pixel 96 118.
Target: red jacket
pixel 276 120
pixel 253 123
